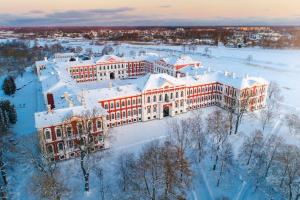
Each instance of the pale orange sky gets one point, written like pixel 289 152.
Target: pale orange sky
pixel 20 12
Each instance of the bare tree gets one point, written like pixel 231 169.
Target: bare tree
pixel 272 147
pixel 156 174
pixel 179 135
pixel 252 146
pixel 271 111
pixel 98 170
pixel 293 123
pixel 288 173
pixel 226 160
pixel 237 109
pixel 218 128
pixel 46 179
pixel 249 59
pixel 86 142
pixel 125 167
pixel 198 139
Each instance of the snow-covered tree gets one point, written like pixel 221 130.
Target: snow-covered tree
pixel 218 129
pixel 198 139
pixel 226 160
pixel 9 86
pixel 272 109
pixel 251 147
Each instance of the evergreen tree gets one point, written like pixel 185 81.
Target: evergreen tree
pixel 9 86
pixel 8 115
pixel 12 114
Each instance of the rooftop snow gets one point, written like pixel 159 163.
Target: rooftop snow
pixel 46 119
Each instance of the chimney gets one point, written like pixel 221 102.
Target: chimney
pixel 68 99
pixel 233 75
pixel 50 100
pixel 110 85
pixel 49 109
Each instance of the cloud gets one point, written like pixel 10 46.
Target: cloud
pixel 124 16
pixel 165 6
pixel 35 12
pixel 69 17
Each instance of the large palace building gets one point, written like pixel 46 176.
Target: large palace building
pixel 98 94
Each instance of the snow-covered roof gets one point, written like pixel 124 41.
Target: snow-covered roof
pixel 179 60
pixel 110 59
pixel 54 117
pixel 197 75
pixel 154 81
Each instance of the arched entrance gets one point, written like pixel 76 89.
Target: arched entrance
pixel 112 75
pixel 166 111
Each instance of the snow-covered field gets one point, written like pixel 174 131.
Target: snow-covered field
pixel 282 66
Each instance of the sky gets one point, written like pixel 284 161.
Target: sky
pixel 149 12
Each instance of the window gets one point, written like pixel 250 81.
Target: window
pixel 58 132
pixel 118 115
pixel 154 109
pixel 133 102
pixel 181 93
pixel 128 102
pixel 69 131
pixel 90 126
pixel 70 144
pixel 80 128
pixel 60 146
pixel 106 106
pixel 112 105
pixel 129 113
pixel 166 97
pixel 99 124
pixel 118 104
pixel 140 111
pixel 50 149
pixel 124 114
pixel 112 116
pixel 149 110
pixel 148 100
pixel 176 95
pixel 154 98
pixel 47 134
pixel 123 103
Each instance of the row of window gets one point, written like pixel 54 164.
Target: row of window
pixel 69 130
pixel 205 98
pixel 166 97
pixel 61 146
pixel 130 113
pixel 202 89
pixel 122 66
pixel 81 69
pixel 123 103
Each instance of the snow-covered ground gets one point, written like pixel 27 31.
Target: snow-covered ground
pixel 282 66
